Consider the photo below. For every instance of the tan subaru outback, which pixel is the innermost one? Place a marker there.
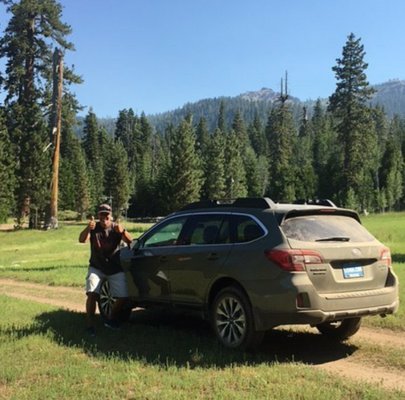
(251, 265)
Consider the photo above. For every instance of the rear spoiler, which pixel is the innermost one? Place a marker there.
(320, 211)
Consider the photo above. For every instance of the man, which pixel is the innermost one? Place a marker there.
(105, 238)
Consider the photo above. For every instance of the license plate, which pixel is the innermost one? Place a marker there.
(352, 271)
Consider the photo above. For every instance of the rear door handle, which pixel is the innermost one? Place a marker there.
(213, 256)
(163, 259)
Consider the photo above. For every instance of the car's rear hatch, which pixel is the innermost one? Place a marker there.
(342, 255)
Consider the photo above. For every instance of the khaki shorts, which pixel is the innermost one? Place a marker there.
(118, 282)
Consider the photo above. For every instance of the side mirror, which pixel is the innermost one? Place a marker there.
(135, 245)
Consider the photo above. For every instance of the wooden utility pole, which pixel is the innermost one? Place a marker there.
(56, 132)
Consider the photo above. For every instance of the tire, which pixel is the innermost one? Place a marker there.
(340, 330)
(106, 302)
(232, 320)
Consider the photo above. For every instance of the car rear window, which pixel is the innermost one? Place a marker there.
(313, 228)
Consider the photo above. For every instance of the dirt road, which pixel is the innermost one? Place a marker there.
(74, 299)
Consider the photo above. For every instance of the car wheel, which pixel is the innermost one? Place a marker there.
(340, 330)
(232, 320)
(106, 302)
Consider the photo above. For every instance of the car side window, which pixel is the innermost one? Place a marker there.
(245, 229)
(167, 234)
(205, 229)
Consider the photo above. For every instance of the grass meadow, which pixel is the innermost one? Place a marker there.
(44, 353)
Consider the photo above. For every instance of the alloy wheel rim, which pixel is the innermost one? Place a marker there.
(106, 300)
(231, 321)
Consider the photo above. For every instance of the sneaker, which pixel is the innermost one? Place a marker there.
(112, 324)
(91, 331)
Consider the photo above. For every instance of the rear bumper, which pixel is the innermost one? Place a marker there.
(319, 316)
(268, 320)
(273, 309)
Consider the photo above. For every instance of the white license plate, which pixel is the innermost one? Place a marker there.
(352, 271)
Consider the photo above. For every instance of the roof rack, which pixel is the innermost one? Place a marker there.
(254, 202)
(316, 202)
(243, 202)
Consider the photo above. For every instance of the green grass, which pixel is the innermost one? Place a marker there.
(389, 228)
(54, 257)
(44, 355)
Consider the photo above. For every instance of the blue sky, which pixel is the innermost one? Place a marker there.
(157, 55)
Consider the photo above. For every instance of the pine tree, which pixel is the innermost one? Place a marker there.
(82, 182)
(124, 127)
(203, 142)
(280, 132)
(34, 163)
(92, 145)
(144, 166)
(185, 174)
(117, 178)
(258, 137)
(66, 185)
(27, 46)
(214, 186)
(203, 137)
(75, 188)
(355, 126)
(7, 172)
(221, 124)
(235, 173)
(305, 182)
(127, 130)
(239, 128)
(326, 153)
(256, 173)
(397, 131)
(160, 190)
(69, 170)
(392, 166)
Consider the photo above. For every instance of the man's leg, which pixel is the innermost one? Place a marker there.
(91, 303)
(117, 307)
(93, 282)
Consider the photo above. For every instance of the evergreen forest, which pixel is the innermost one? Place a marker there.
(346, 150)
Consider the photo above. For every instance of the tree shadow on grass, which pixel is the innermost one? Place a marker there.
(398, 258)
(161, 338)
(42, 269)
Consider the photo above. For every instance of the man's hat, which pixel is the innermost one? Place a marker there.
(104, 209)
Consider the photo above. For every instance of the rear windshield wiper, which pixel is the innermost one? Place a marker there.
(334, 239)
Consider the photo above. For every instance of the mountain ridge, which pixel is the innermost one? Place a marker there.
(389, 95)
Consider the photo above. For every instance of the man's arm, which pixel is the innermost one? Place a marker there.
(125, 235)
(85, 233)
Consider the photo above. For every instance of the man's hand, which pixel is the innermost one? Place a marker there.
(119, 229)
(92, 224)
(126, 236)
(85, 233)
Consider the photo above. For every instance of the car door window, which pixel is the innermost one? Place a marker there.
(205, 230)
(167, 234)
(245, 229)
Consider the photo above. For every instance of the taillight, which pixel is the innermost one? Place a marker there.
(386, 256)
(293, 260)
